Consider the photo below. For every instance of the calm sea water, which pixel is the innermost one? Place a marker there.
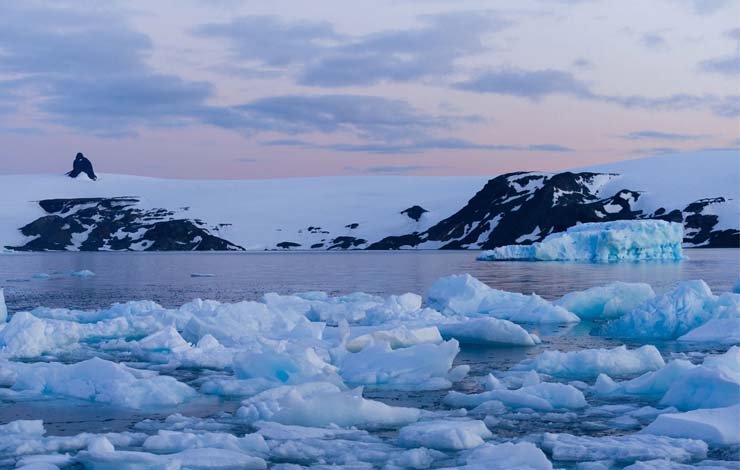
(166, 277)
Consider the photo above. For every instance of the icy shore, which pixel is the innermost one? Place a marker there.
(602, 242)
(309, 376)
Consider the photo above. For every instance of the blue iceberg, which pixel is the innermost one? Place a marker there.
(622, 240)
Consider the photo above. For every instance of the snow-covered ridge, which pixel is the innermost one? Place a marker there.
(377, 212)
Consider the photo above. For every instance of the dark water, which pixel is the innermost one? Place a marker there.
(166, 277)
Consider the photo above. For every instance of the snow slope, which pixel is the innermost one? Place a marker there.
(314, 212)
(263, 213)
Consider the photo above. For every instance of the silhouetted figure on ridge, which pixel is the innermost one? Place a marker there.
(82, 165)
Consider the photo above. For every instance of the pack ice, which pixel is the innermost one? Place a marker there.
(367, 381)
(602, 242)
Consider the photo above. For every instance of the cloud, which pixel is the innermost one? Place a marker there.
(704, 7)
(245, 160)
(657, 135)
(728, 65)
(527, 84)
(417, 146)
(653, 41)
(583, 63)
(391, 169)
(538, 84)
(654, 151)
(325, 58)
(272, 40)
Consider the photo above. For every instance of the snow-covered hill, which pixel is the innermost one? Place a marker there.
(136, 213)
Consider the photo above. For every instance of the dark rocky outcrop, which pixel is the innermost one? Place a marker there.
(82, 165)
(414, 212)
(288, 245)
(523, 208)
(116, 224)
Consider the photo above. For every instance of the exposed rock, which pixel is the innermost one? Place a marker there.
(82, 165)
(414, 212)
(115, 224)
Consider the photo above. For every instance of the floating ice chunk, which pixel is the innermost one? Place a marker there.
(488, 331)
(715, 384)
(736, 287)
(463, 294)
(167, 442)
(399, 337)
(167, 339)
(675, 313)
(3, 307)
(321, 404)
(545, 396)
(628, 448)
(444, 434)
(588, 363)
(234, 324)
(202, 275)
(100, 381)
(609, 301)
(102, 454)
(622, 240)
(85, 273)
(522, 456)
(41, 276)
(285, 364)
(721, 331)
(27, 336)
(718, 426)
(420, 367)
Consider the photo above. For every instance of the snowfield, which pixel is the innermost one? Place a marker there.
(357, 212)
(309, 376)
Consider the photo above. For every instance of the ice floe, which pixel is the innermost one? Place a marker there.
(622, 240)
(445, 434)
(589, 363)
(675, 313)
(323, 404)
(609, 301)
(465, 295)
(719, 426)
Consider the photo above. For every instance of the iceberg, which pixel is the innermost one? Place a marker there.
(675, 313)
(628, 448)
(444, 434)
(462, 294)
(589, 363)
(420, 367)
(488, 331)
(522, 456)
(609, 301)
(322, 404)
(717, 331)
(717, 426)
(622, 240)
(683, 385)
(100, 381)
(398, 337)
(543, 396)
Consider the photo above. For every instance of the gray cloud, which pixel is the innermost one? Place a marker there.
(728, 65)
(538, 84)
(526, 84)
(416, 146)
(390, 169)
(327, 59)
(657, 135)
(704, 7)
(654, 150)
(653, 41)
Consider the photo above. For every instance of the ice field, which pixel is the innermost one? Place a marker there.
(615, 375)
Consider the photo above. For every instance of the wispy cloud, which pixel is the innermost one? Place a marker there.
(538, 84)
(418, 146)
(728, 65)
(658, 135)
(326, 58)
(391, 169)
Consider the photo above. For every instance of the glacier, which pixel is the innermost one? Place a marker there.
(601, 242)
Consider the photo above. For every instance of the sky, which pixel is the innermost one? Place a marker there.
(278, 88)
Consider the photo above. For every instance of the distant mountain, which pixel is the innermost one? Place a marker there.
(43, 212)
